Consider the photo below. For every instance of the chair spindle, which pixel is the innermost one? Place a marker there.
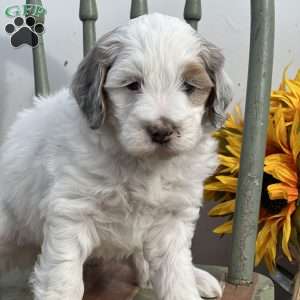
(138, 8)
(192, 12)
(88, 14)
(254, 142)
(41, 82)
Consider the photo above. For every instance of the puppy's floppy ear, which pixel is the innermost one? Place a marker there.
(87, 85)
(221, 94)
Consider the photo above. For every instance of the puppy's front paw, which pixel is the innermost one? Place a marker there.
(207, 285)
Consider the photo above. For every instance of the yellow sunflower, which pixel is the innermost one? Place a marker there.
(280, 180)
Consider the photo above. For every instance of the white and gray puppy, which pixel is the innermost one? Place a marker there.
(115, 166)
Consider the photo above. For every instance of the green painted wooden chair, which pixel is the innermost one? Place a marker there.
(241, 281)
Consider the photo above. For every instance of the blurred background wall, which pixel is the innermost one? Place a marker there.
(226, 23)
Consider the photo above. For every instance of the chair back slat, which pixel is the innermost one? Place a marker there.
(138, 8)
(192, 12)
(88, 14)
(41, 82)
(254, 142)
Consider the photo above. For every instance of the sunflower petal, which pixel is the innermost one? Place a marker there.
(219, 187)
(294, 88)
(297, 77)
(282, 171)
(282, 191)
(223, 208)
(279, 158)
(295, 135)
(286, 231)
(280, 97)
(224, 184)
(280, 130)
(224, 228)
(262, 240)
(235, 151)
(269, 260)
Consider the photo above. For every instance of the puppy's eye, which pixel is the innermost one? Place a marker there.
(134, 86)
(188, 88)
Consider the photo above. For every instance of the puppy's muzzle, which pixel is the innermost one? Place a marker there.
(161, 132)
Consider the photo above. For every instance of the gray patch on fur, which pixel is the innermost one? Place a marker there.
(87, 84)
(221, 94)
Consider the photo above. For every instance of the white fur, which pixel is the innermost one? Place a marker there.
(77, 192)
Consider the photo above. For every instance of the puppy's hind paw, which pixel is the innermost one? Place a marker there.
(208, 286)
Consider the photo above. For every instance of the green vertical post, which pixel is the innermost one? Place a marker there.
(41, 82)
(88, 14)
(254, 142)
(138, 8)
(192, 12)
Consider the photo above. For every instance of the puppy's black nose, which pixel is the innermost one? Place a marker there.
(160, 134)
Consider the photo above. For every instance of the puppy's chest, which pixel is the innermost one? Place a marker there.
(131, 208)
(122, 223)
(134, 203)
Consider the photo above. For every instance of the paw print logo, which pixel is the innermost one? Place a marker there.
(24, 31)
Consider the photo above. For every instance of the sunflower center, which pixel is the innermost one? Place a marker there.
(272, 206)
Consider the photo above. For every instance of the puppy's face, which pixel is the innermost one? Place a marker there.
(158, 98)
(162, 85)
